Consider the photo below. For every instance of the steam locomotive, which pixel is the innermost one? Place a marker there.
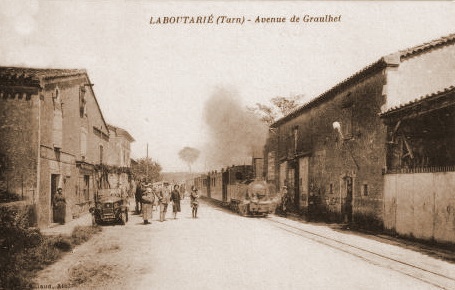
(237, 188)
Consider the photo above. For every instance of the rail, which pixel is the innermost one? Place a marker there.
(429, 276)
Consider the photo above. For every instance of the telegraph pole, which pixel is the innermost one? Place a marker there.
(147, 163)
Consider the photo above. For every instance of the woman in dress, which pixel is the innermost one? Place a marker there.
(60, 206)
(175, 198)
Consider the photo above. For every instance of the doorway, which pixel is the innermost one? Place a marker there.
(54, 185)
(348, 201)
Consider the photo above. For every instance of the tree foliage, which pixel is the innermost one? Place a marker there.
(147, 169)
(280, 107)
(189, 155)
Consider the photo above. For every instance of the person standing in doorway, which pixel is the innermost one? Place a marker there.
(194, 201)
(164, 198)
(175, 198)
(60, 206)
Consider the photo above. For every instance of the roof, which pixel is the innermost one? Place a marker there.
(34, 76)
(121, 132)
(427, 98)
(383, 62)
(419, 49)
(374, 67)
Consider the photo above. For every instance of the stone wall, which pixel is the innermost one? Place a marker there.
(19, 146)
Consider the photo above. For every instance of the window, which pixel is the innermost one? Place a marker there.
(331, 188)
(86, 187)
(101, 154)
(346, 115)
(82, 102)
(57, 122)
(365, 189)
(296, 137)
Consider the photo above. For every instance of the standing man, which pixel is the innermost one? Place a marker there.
(164, 198)
(147, 201)
(194, 200)
(138, 197)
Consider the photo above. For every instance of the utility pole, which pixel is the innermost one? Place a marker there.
(147, 163)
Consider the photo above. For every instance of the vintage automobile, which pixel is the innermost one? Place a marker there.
(111, 209)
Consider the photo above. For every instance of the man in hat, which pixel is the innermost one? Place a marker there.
(138, 197)
(148, 198)
(164, 198)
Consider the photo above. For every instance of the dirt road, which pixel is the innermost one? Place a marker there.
(219, 250)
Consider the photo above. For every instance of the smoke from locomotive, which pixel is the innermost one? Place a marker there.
(234, 132)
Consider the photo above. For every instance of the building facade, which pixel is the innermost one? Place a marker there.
(119, 160)
(53, 134)
(338, 155)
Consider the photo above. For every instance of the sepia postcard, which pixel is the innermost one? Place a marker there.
(227, 144)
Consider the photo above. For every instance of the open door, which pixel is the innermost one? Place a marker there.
(348, 200)
(54, 184)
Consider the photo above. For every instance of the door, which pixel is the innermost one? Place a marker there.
(348, 201)
(282, 177)
(291, 186)
(54, 185)
(303, 182)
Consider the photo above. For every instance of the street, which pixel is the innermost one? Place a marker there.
(221, 250)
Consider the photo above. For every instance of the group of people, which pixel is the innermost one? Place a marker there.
(147, 197)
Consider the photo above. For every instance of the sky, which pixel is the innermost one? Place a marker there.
(161, 82)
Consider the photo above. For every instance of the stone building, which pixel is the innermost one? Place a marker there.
(119, 160)
(53, 134)
(332, 152)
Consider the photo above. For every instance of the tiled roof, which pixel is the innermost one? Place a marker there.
(380, 64)
(416, 50)
(121, 131)
(385, 61)
(450, 89)
(33, 76)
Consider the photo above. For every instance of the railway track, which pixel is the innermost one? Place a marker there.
(420, 272)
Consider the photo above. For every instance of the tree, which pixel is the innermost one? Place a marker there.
(280, 107)
(189, 155)
(147, 169)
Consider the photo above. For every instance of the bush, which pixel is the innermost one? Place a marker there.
(6, 196)
(367, 222)
(24, 251)
(83, 233)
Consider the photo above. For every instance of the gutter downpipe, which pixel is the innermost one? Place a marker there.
(38, 167)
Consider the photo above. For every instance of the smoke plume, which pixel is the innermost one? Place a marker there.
(235, 133)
